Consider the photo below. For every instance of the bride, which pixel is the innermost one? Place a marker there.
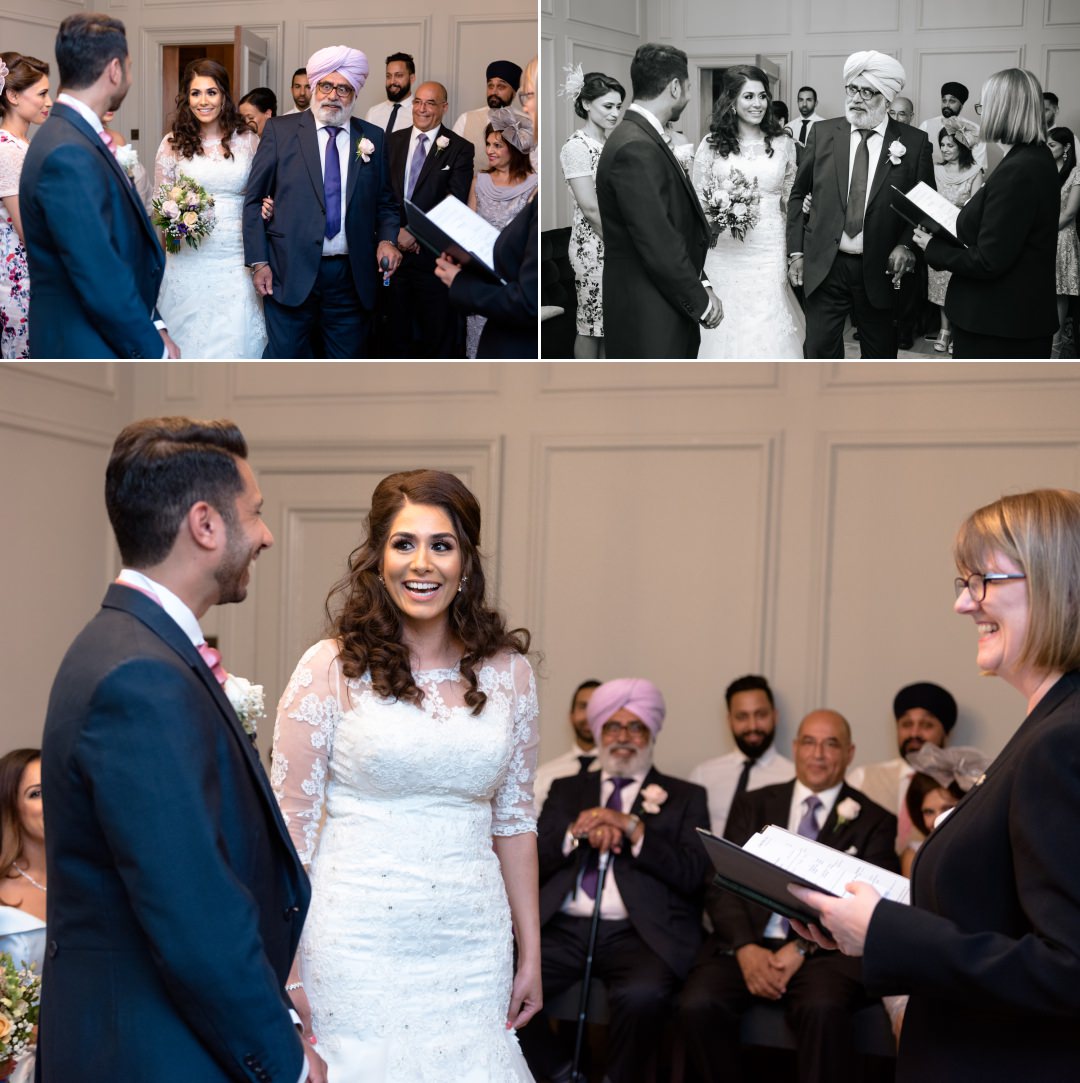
(761, 315)
(404, 752)
(206, 297)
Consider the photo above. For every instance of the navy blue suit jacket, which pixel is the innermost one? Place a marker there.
(95, 261)
(176, 899)
(288, 167)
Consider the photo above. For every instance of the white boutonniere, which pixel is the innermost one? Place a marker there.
(247, 701)
(847, 810)
(441, 144)
(128, 158)
(364, 150)
(652, 797)
(896, 151)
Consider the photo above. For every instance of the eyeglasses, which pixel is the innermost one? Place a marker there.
(867, 93)
(978, 109)
(525, 95)
(339, 90)
(976, 583)
(637, 730)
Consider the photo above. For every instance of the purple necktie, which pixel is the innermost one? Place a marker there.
(590, 878)
(417, 164)
(808, 826)
(332, 184)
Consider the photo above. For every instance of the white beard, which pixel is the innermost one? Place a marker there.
(639, 764)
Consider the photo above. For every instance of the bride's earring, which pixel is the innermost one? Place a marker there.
(464, 580)
(382, 582)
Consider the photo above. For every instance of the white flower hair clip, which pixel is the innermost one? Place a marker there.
(575, 82)
(3, 75)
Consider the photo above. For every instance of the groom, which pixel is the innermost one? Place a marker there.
(316, 262)
(94, 258)
(175, 898)
(655, 232)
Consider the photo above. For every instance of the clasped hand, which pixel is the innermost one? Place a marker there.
(604, 828)
(715, 312)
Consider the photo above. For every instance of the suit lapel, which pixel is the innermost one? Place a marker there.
(651, 132)
(309, 147)
(356, 133)
(883, 170)
(841, 151)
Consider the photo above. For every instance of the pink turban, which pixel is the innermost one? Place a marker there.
(884, 73)
(350, 62)
(636, 694)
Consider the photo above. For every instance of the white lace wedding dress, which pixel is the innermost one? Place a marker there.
(762, 318)
(407, 949)
(206, 298)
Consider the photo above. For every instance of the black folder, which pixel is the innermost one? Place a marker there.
(438, 241)
(916, 216)
(758, 880)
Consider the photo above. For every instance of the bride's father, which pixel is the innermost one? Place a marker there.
(655, 232)
(317, 261)
(853, 246)
(175, 898)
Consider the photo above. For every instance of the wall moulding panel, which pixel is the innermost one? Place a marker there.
(473, 37)
(707, 19)
(832, 17)
(675, 377)
(623, 16)
(969, 65)
(858, 376)
(1061, 13)
(983, 15)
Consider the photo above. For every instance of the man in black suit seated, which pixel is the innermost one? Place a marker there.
(428, 162)
(753, 953)
(650, 904)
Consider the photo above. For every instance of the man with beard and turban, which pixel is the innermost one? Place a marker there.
(503, 81)
(852, 248)
(754, 763)
(316, 261)
(753, 954)
(650, 904)
(925, 714)
(95, 260)
(953, 97)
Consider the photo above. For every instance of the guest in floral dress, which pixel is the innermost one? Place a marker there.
(1062, 144)
(597, 98)
(958, 178)
(501, 190)
(24, 100)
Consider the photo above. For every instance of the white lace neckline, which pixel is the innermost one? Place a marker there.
(437, 676)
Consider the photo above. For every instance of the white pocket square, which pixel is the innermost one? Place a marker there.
(445, 168)
(852, 850)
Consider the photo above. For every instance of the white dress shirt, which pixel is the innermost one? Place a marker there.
(720, 776)
(564, 766)
(796, 126)
(380, 114)
(337, 246)
(853, 246)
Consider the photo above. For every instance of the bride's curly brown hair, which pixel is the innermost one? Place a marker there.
(186, 137)
(724, 125)
(368, 625)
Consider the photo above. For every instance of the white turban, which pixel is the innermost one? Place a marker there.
(884, 73)
(350, 62)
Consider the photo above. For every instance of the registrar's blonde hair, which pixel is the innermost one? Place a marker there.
(1040, 532)
(1013, 108)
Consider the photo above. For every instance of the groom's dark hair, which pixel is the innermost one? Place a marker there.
(654, 66)
(159, 467)
(85, 44)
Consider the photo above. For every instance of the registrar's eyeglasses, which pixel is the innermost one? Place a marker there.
(976, 583)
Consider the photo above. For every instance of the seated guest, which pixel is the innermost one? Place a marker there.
(580, 757)
(1001, 298)
(755, 762)
(650, 903)
(925, 714)
(754, 954)
(257, 107)
(1062, 144)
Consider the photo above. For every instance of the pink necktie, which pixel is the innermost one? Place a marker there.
(212, 658)
(108, 141)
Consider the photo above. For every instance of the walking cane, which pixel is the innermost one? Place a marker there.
(576, 1075)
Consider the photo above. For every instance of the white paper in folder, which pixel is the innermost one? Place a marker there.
(472, 232)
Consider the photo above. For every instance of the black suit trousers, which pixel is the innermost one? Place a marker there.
(640, 988)
(843, 293)
(423, 322)
(819, 1002)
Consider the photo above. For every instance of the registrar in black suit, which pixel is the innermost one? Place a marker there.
(642, 960)
(822, 993)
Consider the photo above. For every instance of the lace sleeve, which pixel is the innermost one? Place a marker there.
(243, 146)
(575, 159)
(790, 165)
(11, 163)
(165, 164)
(512, 811)
(307, 717)
(703, 162)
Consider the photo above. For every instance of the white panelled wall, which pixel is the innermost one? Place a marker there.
(686, 522)
(808, 40)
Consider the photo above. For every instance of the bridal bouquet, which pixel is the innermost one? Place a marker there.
(731, 203)
(20, 994)
(184, 212)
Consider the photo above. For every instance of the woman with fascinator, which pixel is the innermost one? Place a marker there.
(404, 754)
(597, 99)
(206, 297)
(958, 178)
(501, 190)
(747, 161)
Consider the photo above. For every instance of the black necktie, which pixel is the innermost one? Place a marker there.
(856, 198)
(740, 786)
(393, 117)
(586, 763)
(803, 130)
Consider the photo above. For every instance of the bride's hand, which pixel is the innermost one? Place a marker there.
(526, 997)
(267, 208)
(302, 1005)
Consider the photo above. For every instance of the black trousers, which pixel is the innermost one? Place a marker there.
(969, 346)
(423, 322)
(640, 988)
(843, 294)
(820, 999)
(330, 322)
